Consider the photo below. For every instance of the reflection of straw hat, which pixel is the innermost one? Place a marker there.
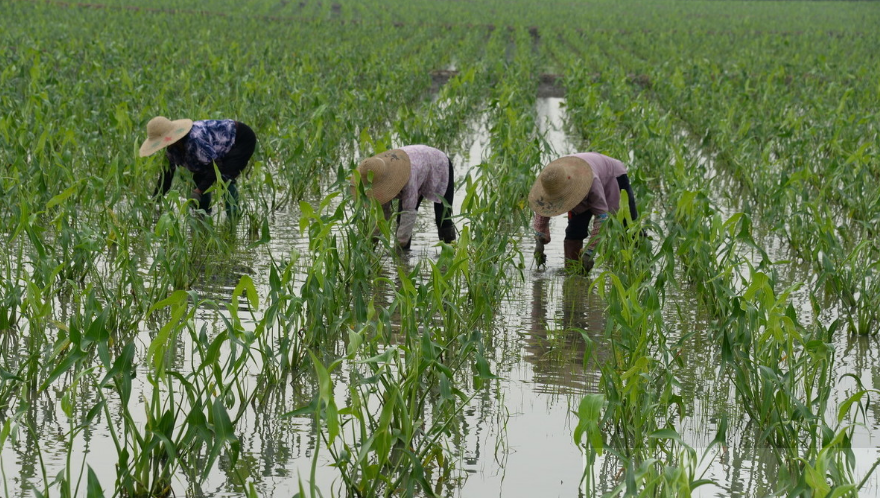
(162, 132)
(561, 186)
(390, 170)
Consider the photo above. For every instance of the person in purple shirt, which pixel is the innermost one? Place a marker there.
(198, 146)
(586, 186)
(410, 174)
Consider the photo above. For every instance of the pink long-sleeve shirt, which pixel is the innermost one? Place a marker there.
(428, 178)
(603, 197)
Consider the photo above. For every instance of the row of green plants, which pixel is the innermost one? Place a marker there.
(797, 132)
(296, 320)
(782, 370)
(104, 286)
(554, 16)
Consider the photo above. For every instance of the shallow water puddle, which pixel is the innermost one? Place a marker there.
(550, 113)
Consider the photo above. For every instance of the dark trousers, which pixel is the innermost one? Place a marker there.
(579, 224)
(231, 165)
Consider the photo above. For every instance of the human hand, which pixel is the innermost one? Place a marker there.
(540, 257)
(587, 262)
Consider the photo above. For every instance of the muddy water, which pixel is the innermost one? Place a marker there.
(517, 439)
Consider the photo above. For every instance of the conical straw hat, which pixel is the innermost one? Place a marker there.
(561, 186)
(390, 171)
(162, 132)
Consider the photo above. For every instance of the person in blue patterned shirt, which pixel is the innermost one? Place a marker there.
(198, 146)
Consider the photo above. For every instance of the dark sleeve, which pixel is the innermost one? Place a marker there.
(165, 178)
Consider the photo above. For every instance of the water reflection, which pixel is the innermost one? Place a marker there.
(557, 345)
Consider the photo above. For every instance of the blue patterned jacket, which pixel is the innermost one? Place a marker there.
(206, 143)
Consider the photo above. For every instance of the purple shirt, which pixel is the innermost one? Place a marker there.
(428, 178)
(603, 197)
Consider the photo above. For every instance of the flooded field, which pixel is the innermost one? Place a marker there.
(516, 434)
(725, 344)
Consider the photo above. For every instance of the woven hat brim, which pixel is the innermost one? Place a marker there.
(579, 179)
(397, 172)
(179, 130)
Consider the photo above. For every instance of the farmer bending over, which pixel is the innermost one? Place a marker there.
(197, 146)
(410, 174)
(585, 185)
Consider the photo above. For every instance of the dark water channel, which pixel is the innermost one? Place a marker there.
(517, 439)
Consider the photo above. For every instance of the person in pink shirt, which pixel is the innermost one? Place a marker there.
(409, 174)
(587, 186)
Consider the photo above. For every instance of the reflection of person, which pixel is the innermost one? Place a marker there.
(557, 344)
(410, 174)
(585, 185)
(197, 146)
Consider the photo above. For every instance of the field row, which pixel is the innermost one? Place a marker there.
(165, 335)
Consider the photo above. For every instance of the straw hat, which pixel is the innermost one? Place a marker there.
(561, 186)
(391, 170)
(162, 132)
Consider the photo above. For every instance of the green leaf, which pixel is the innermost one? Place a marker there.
(482, 368)
(384, 357)
(66, 364)
(759, 280)
(93, 486)
(224, 434)
(246, 285)
(94, 411)
(4, 375)
(355, 340)
(156, 351)
(816, 481)
(589, 413)
(5, 431)
(325, 383)
(845, 406)
(63, 196)
(591, 407)
(844, 490)
(122, 364)
(265, 235)
(666, 434)
(176, 298)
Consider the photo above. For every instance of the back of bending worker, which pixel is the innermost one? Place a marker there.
(198, 146)
(409, 174)
(586, 185)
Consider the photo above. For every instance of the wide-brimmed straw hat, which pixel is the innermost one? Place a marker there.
(561, 186)
(162, 132)
(390, 172)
